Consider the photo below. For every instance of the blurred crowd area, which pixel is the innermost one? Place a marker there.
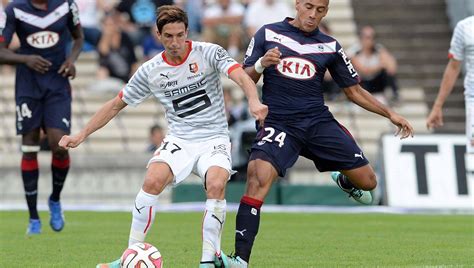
(122, 35)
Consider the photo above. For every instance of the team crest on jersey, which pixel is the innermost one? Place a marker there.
(193, 67)
(221, 54)
(43, 39)
(297, 68)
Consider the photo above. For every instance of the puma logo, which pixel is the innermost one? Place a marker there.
(359, 155)
(66, 122)
(138, 209)
(217, 219)
(165, 75)
(241, 232)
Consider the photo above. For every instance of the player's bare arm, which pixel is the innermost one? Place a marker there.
(271, 57)
(451, 73)
(106, 113)
(34, 62)
(257, 109)
(68, 69)
(364, 99)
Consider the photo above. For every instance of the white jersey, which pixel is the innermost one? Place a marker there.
(191, 92)
(462, 49)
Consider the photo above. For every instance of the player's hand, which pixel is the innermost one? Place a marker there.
(258, 110)
(271, 57)
(68, 142)
(435, 119)
(38, 63)
(405, 130)
(68, 69)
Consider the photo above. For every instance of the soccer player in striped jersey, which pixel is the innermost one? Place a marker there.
(185, 78)
(462, 49)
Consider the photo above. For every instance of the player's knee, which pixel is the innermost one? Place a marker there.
(215, 188)
(369, 183)
(59, 153)
(152, 186)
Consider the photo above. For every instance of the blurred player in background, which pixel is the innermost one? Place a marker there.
(42, 89)
(462, 49)
(157, 134)
(185, 78)
(293, 56)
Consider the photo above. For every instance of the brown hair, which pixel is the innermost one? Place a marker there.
(169, 14)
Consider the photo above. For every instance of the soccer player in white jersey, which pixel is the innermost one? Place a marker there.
(185, 78)
(462, 49)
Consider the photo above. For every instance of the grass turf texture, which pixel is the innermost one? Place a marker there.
(284, 240)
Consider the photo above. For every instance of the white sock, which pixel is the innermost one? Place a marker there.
(212, 226)
(143, 216)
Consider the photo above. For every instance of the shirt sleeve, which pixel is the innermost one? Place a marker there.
(7, 25)
(456, 50)
(73, 16)
(256, 48)
(342, 70)
(137, 89)
(220, 59)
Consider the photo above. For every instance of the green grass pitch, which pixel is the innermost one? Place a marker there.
(284, 240)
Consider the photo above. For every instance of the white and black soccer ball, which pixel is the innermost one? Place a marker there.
(141, 255)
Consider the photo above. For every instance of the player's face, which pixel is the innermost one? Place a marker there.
(173, 37)
(309, 13)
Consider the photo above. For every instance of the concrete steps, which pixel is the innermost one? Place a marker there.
(417, 32)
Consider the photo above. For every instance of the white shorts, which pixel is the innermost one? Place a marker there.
(185, 157)
(470, 125)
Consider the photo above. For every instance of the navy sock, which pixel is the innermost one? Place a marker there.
(345, 182)
(246, 227)
(30, 174)
(59, 169)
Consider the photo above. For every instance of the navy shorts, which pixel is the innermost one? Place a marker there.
(42, 101)
(328, 144)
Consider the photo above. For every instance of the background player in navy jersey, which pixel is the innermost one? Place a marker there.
(293, 56)
(42, 89)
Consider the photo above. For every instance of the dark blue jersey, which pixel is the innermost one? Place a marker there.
(41, 32)
(293, 89)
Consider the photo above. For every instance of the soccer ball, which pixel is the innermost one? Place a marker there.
(141, 255)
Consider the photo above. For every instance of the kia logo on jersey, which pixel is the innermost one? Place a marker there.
(297, 68)
(193, 67)
(43, 39)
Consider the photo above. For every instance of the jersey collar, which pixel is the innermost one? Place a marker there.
(190, 47)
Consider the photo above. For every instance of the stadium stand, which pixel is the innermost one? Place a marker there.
(109, 167)
(418, 33)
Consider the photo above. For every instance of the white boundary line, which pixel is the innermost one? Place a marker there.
(232, 207)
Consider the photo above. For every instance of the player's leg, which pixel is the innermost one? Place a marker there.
(363, 178)
(29, 114)
(30, 174)
(215, 167)
(158, 176)
(332, 147)
(57, 121)
(171, 163)
(214, 215)
(273, 152)
(59, 170)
